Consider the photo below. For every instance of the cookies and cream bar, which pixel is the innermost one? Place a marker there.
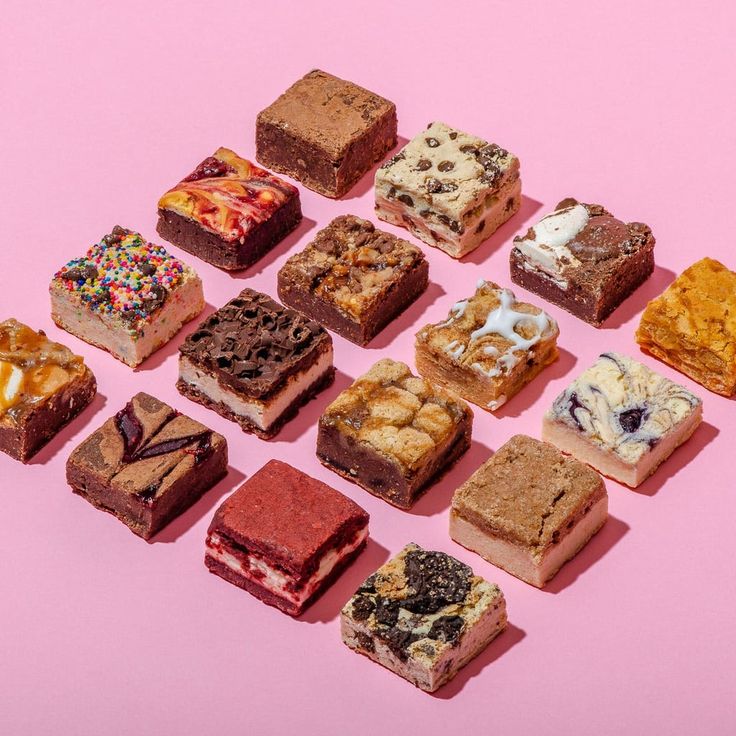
(448, 188)
(228, 211)
(423, 615)
(489, 347)
(583, 259)
(529, 509)
(255, 362)
(43, 386)
(284, 536)
(622, 418)
(125, 295)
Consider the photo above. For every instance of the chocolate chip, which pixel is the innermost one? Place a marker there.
(394, 160)
(434, 186)
(80, 273)
(432, 142)
(155, 298)
(467, 148)
(391, 193)
(406, 199)
(455, 226)
(117, 234)
(423, 164)
(444, 166)
(453, 135)
(148, 269)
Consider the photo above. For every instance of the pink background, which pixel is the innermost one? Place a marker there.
(105, 105)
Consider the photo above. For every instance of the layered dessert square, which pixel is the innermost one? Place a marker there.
(353, 279)
(622, 418)
(692, 326)
(228, 211)
(423, 615)
(529, 509)
(325, 132)
(284, 537)
(583, 259)
(126, 296)
(43, 386)
(450, 189)
(393, 433)
(255, 362)
(147, 464)
(489, 347)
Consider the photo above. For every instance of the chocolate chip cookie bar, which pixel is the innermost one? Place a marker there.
(126, 296)
(529, 509)
(326, 132)
(489, 347)
(692, 326)
(423, 615)
(43, 386)
(353, 279)
(622, 418)
(228, 211)
(393, 433)
(448, 188)
(581, 258)
(147, 464)
(255, 362)
(284, 537)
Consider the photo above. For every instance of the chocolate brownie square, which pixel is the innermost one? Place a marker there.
(393, 433)
(325, 132)
(284, 537)
(228, 211)
(256, 362)
(43, 386)
(353, 279)
(147, 464)
(581, 258)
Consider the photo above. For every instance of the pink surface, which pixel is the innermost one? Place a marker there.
(106, 105)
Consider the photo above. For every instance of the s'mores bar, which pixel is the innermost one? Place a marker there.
(622, 418)
(423, 615)
(449, 189)
(489, 347)
(529, 509)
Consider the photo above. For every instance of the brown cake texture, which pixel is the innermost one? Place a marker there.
(583, 259)
(326, 132)
(284, 537)
(353, 278)
(393, 433)
(43, 386)
(147, 464)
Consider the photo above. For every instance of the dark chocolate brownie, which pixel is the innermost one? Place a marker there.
(326, 132)
(353, 278)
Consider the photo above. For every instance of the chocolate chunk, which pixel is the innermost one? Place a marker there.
(363, 607)
(423, 164)
(80, 273)
(154, 299)
(148, 269)
(437, 579)
(467, 148)
(447, 628)
(116, 236)
(397, 641)
(444, 166)
(406, 199)
(453, 135)
(432, 142)
(387, 611)
(365, 642)
(435, 186)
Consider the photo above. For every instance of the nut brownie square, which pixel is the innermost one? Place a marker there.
(692, 326)
(450, 189)
(147, 464)
(326, 132)
(393, 433)
(423, 615)
(622, 418)
(353, 279)
(581, 258)
(126, 295)
(228, 211)
(284, 537)
(255, 362)
(43, 386)
(489, 347)
(529, 509)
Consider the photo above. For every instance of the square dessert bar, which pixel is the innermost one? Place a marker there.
(284, 537)
(529, 509)
(147, 464)
(423, 615)
(228, 211)
(581, 258)
(489, 347)
(126, 296)
(450, 189)
(354, 279)
(43, 386)
(255, 362)
(325, 132)
(622, 418)
(393, 433)
(692, 326)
